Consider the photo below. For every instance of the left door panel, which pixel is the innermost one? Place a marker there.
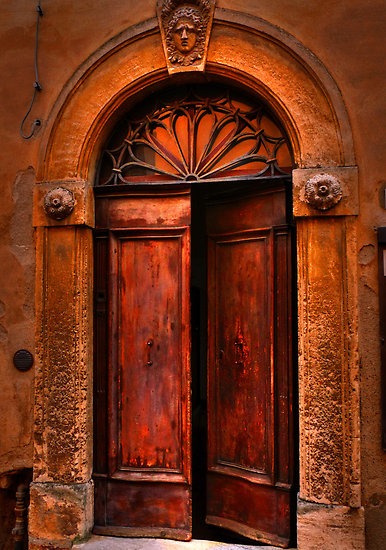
(142, 471)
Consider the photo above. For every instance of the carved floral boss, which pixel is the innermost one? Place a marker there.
(322, 191)
(59, 203)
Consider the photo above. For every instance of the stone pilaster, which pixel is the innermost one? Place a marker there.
(325, 204)
(61, 492)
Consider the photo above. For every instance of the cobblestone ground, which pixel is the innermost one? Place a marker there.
(110, 543)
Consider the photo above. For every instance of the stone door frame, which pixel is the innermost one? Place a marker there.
(300, 90)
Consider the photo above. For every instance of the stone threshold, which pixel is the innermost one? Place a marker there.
(116, 543)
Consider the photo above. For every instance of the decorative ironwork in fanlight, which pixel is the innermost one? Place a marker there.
(195, 138)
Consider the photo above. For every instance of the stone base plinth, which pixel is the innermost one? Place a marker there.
(60, 514)
(322, 527)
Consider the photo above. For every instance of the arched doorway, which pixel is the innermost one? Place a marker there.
(294, 81)
(193, 331)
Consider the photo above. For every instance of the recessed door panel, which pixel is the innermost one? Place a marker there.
(150, 415)
(240, 381)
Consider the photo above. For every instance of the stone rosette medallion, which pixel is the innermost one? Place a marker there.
(322, 192)
(59, 203)
(185, 30)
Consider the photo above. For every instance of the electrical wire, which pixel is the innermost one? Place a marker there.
(37, 85)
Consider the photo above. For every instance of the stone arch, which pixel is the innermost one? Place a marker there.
(307, 101)
(273, 64)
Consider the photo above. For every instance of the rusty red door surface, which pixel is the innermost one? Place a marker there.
(250, 432)
(142, 389)
(143, 443)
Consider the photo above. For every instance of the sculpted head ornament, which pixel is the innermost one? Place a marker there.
(185, 29)
(184, 34)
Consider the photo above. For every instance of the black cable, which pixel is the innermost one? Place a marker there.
(37, 85)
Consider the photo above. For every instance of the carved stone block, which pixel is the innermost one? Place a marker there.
(63, 202)
(60, 514)
(331, 191)
(185, 30)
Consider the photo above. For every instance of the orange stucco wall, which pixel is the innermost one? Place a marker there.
(347, 37)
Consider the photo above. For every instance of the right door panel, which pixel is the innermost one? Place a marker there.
(250, 426)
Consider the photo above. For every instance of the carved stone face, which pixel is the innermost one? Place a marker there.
(185, 35)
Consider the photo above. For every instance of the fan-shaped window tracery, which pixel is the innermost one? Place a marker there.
(199, 135)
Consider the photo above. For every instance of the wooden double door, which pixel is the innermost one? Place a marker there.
(193, 362)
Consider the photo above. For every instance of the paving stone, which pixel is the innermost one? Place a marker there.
(114, 543)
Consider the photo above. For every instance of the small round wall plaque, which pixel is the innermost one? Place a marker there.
(23, 360)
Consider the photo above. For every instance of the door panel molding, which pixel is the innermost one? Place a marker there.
(141, 367)
(243, 346)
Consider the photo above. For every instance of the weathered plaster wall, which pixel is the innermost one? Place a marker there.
(348, 38)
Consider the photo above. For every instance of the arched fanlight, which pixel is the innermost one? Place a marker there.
(203, 133)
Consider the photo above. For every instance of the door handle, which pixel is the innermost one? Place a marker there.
(241, 352)
(149, 345)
